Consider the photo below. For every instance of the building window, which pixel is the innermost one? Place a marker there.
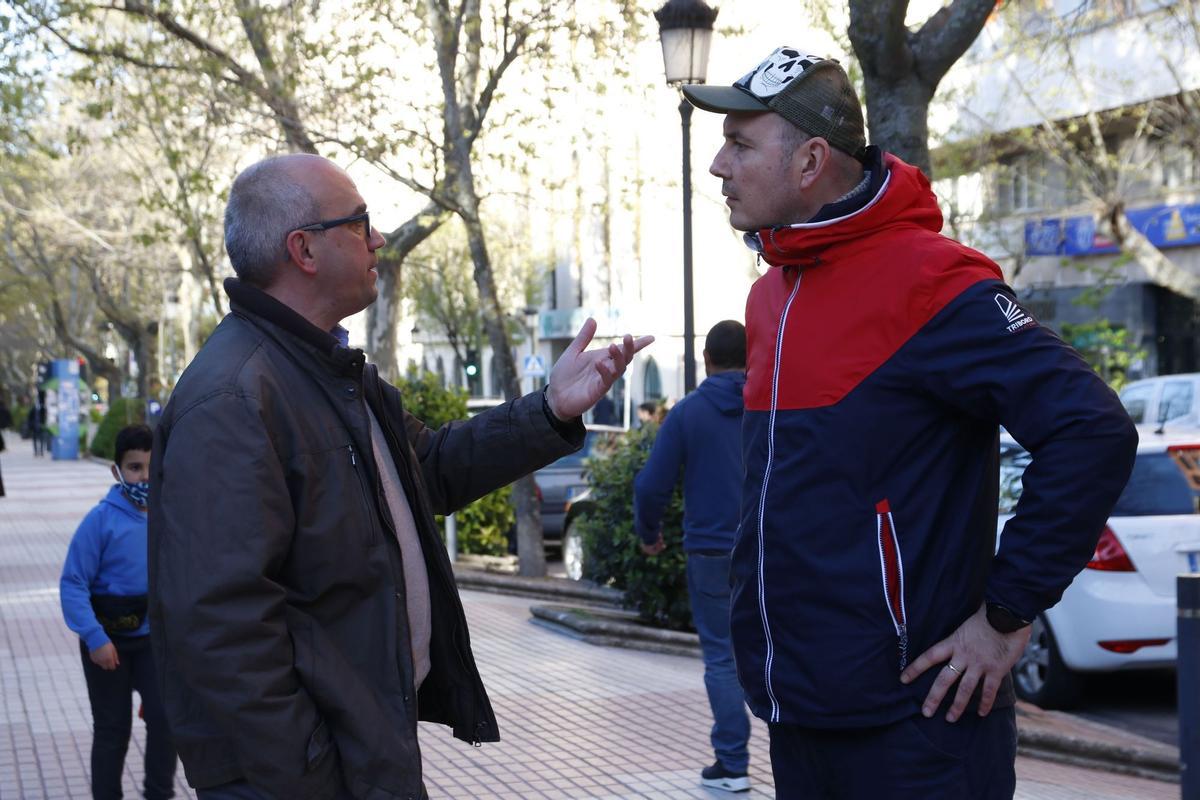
(651, 381)
(441, 371)
(1180, 168)
(1021, 185)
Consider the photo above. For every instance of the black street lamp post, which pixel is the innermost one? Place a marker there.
(685, 31)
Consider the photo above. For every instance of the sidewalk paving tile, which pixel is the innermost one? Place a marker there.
(576, 721)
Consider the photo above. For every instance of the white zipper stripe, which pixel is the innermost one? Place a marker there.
(900, 565)
(762, 504)
(883, 569)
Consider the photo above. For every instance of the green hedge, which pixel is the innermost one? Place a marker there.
(483, 525)
(123, 411)
(654, 586)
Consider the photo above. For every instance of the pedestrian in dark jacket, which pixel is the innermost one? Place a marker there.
(301, 603)
(702, 439)
(6, 422)
(874, 620)
(103, 593)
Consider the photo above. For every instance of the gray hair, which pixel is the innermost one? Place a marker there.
(266, 203)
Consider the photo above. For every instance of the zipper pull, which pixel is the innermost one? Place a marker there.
(353, 461)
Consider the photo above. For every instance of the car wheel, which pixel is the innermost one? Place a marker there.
(1040, 676)
(572, 552)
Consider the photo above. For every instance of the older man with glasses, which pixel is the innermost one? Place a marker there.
(305, 613)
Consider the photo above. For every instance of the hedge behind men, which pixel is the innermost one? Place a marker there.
(701, 439)
(304, 611)
(874, 620)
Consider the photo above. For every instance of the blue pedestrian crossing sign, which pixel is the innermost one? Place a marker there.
(535, 367)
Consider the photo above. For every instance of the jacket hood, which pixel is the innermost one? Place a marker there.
(904, 199)
(117, 499)
(724, 391)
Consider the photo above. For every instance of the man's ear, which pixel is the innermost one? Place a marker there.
(116, 473)
(299, 252)
(811, 160)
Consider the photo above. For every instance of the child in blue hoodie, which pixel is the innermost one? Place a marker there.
(103, 592)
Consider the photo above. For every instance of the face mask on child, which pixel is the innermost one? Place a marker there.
(138, 493)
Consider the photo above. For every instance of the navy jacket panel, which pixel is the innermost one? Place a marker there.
(869, 524)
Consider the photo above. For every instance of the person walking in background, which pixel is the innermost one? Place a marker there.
(103, 594)
(875, 620)
(651, 411)
(6, 421)
(701, 439)
(35, 423)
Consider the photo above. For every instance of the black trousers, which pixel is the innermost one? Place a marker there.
(111, 696)
(913, 759)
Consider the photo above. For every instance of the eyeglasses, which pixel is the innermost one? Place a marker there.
(364, 218)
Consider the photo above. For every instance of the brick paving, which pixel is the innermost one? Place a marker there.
(577, 721)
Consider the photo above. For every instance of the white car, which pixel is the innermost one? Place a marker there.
(1165, 398)
(1119, 613)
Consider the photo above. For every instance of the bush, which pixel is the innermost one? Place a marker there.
(654, 586)
(427, 400)
(20, 414)
(123, 411)
(484, 524)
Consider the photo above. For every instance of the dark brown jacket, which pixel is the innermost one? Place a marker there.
(276, 588)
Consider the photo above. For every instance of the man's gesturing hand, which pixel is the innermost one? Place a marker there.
(973, 653)
(581, 377)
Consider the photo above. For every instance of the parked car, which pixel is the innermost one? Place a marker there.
(566, 479)
(1119, 613)
(1166, 398)
(572, 542)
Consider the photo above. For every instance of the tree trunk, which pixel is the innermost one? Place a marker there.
(383, 315)
(898, 116)
(1161, 270)
(902, 68)
(382, 320)
(530, 544)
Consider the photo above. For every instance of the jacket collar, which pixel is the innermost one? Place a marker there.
(249, 299)
(902, 197)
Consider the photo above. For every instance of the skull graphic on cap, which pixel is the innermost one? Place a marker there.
(777, 71)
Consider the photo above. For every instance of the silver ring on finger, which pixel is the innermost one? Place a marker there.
(953, 668)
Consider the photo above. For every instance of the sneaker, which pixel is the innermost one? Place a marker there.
(717, 777)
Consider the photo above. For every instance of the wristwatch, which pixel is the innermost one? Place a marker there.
(1003, 619)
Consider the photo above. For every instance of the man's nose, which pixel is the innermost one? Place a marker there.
(717, 167)
(376, 241)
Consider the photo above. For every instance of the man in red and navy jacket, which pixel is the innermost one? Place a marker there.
(874, 620)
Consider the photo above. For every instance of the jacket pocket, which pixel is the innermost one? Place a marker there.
(362, 478)
(891, 565)
(319, 745)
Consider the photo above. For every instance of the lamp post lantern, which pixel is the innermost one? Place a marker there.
(685, 31)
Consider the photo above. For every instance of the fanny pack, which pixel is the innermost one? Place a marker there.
(120, 615)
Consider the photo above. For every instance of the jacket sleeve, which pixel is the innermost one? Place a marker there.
(221, 524)
(75, 586)
(464, 460)
(988, 357)
(655, 482)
